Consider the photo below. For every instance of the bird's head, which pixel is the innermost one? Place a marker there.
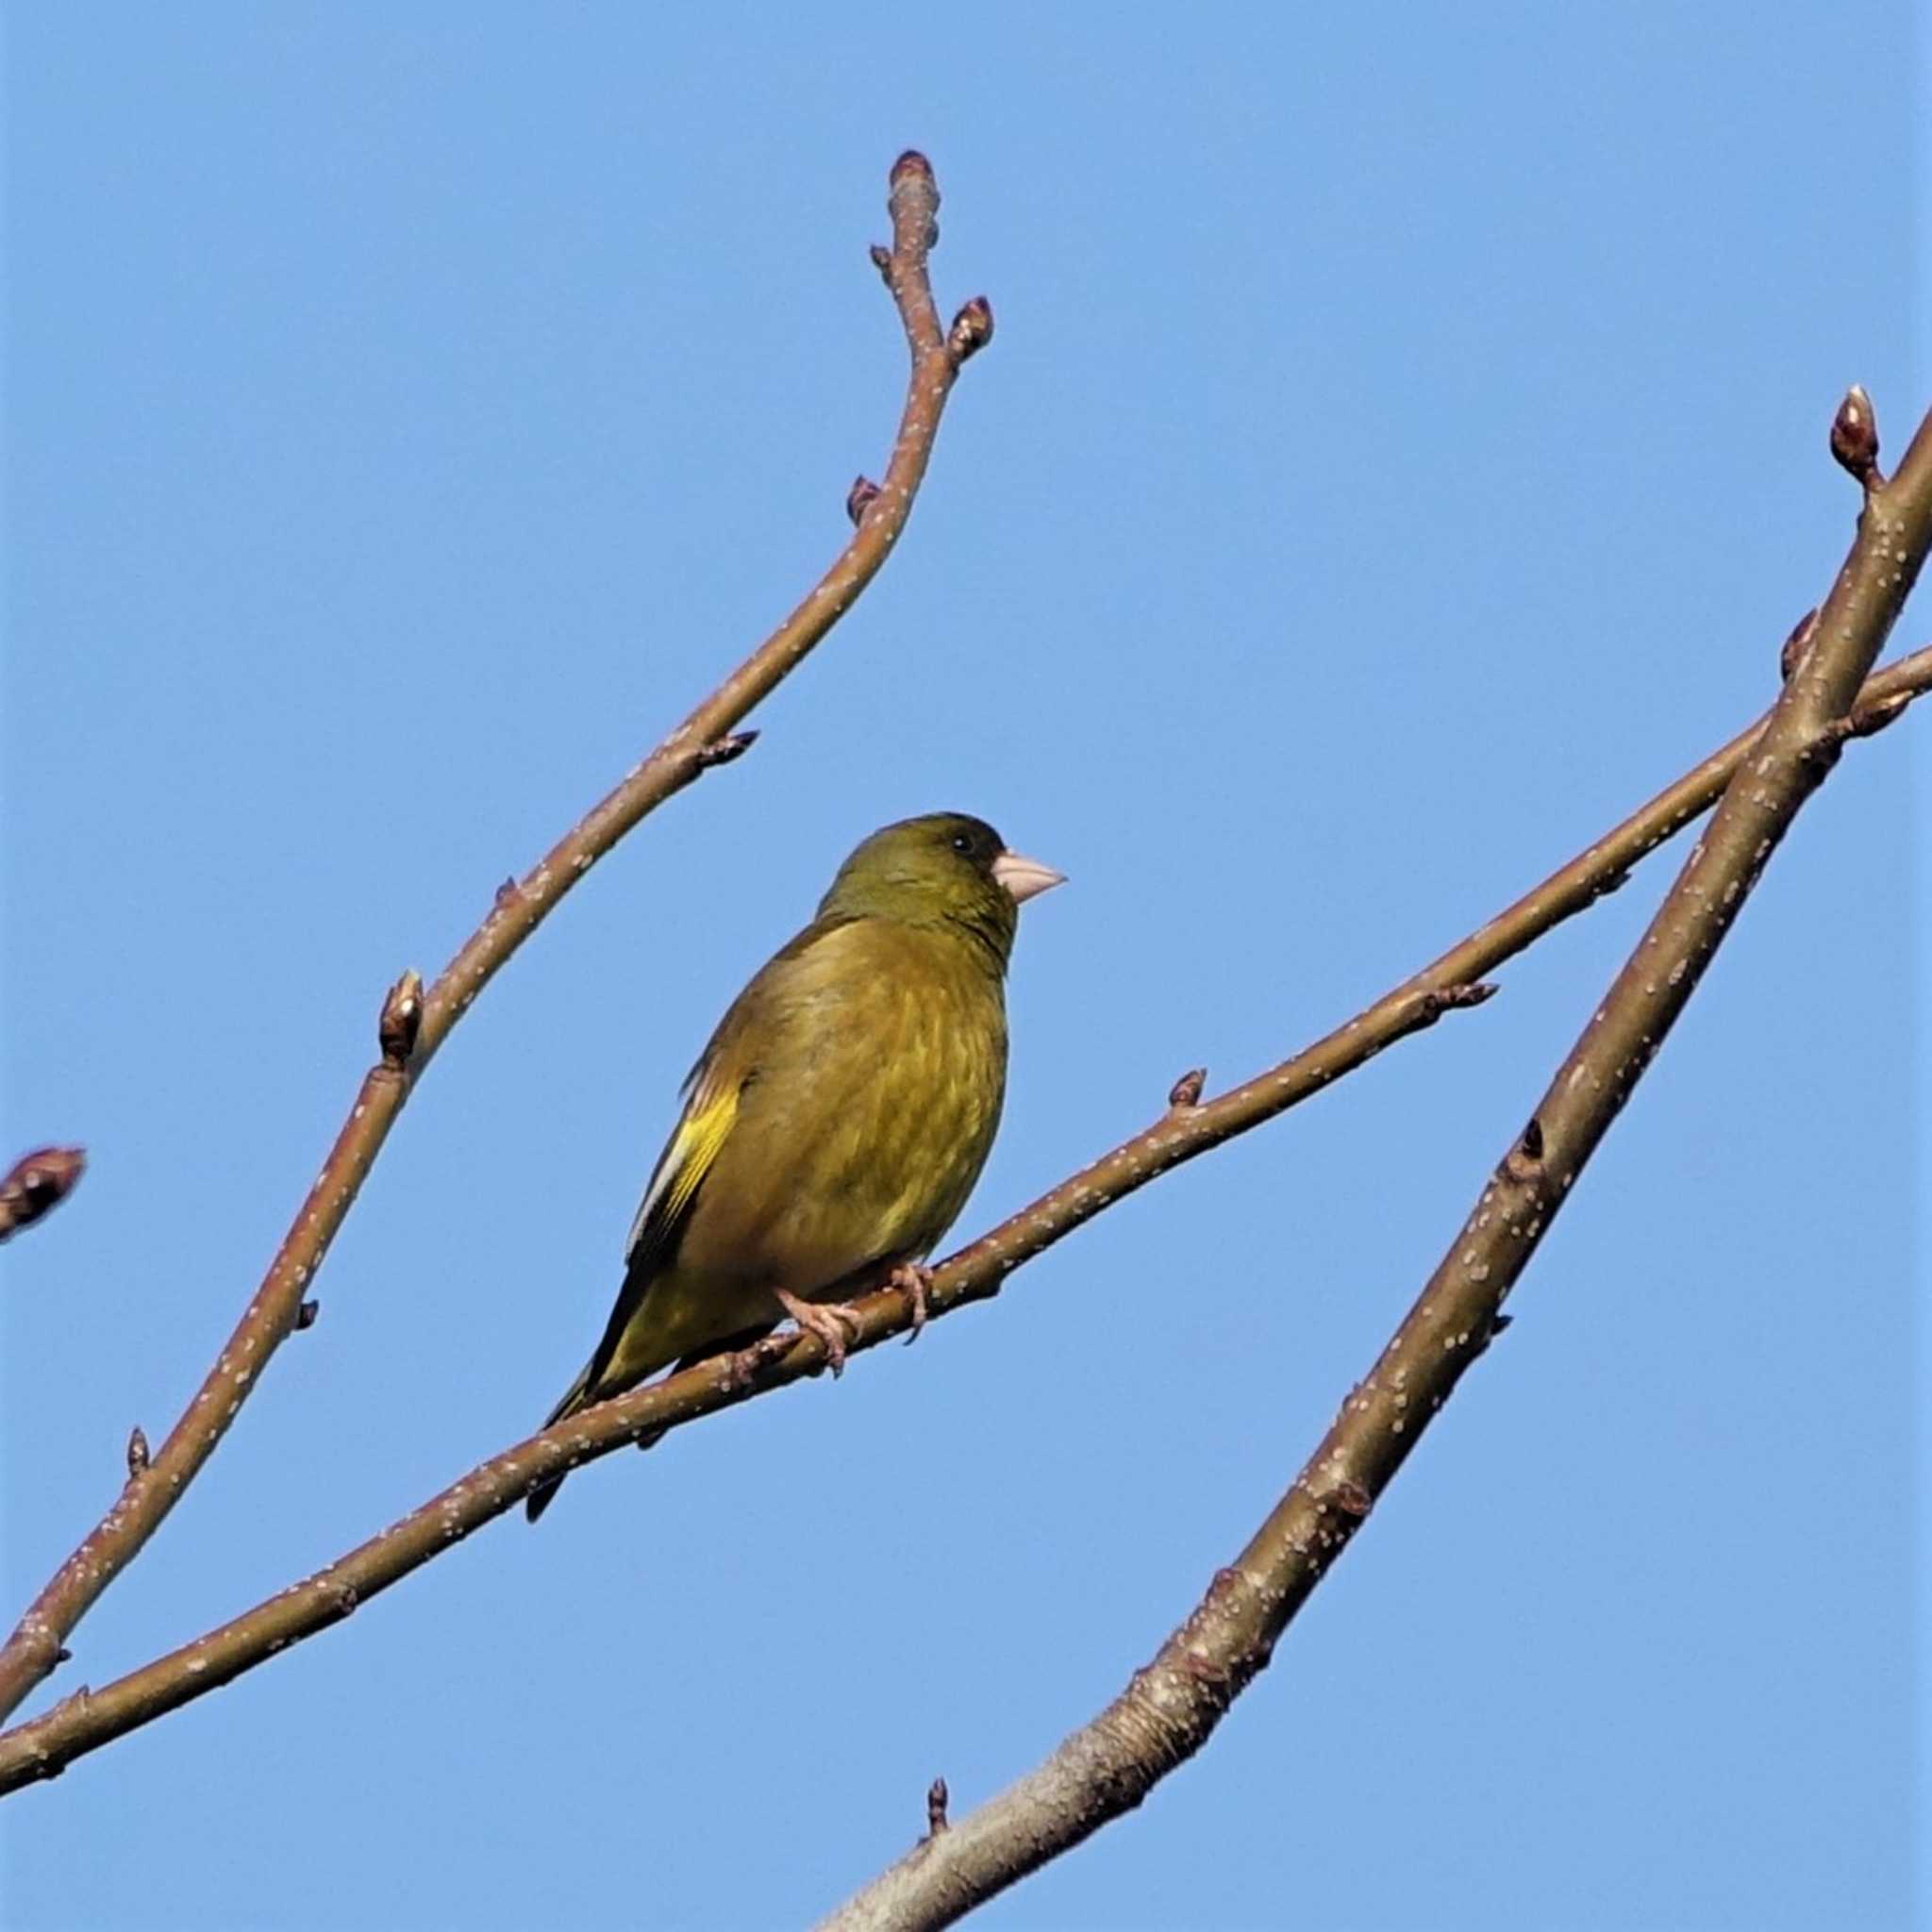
(943, 866)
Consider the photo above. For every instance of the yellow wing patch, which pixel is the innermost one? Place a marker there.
(701, 1131)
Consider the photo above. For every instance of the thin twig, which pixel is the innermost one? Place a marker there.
(45, 1746)
(1171, 1707)
(415, 1023)
(36, 1184)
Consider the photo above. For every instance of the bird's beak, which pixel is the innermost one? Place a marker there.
(1026, 877)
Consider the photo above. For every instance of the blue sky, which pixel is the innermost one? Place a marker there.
(1402, 452)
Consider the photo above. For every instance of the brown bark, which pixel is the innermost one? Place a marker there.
(415, 1022)
(1171, 1707)
(1188, 1127)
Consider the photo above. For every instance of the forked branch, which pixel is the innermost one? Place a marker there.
(1171, 1707)
(1188, 1126)
(416, 1021)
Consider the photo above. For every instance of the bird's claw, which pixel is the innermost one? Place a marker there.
(914, 1279)
(746, 1362)
(834, 1323)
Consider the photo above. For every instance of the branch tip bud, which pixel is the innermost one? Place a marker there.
(912, 202)
(402, 1014)
(35, 1184)
(1855, 437)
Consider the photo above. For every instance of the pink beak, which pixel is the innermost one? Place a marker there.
(1024, 878)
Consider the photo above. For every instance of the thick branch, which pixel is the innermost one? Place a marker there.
(411, 1038)
(36, 1184)
(1169, 1709)
(86, 1721)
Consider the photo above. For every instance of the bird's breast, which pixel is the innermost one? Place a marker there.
(864, 1128)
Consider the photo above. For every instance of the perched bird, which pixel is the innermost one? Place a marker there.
(837, 1119)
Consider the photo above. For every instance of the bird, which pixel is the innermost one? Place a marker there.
(835, 1123)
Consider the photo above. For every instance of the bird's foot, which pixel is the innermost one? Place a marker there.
(835, 1325)
(744, 1363)
(915, 1280)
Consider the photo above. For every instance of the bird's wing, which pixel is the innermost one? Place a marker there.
(712, 1093)
(710, 1106)
(712, 1089)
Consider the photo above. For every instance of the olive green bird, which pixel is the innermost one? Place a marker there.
(837, 1119)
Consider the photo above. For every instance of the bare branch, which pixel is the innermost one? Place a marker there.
(45, 1746)
(415, 1023)
(36, 1184)
(1170, 1709)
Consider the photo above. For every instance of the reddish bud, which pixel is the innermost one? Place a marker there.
(35, 1184)
(1796, 644)
(1854, 436)
(861, 498)
(971, 329)
(402, 1014)
(721, 751)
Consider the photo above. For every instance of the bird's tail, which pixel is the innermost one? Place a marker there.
(598, 1381)
(575, 1397)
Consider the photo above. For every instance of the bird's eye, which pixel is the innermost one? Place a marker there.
(963, 841)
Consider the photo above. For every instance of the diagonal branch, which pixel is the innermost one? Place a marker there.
(89, 1720)
(1171, 1707)
(416, 1021)
(36, 1184)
